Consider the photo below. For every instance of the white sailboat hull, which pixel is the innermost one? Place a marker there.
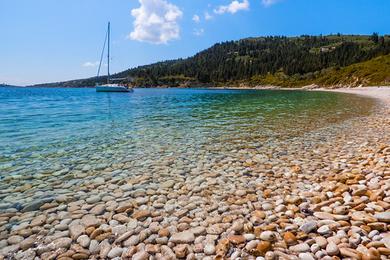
(112, 88)
(109, 87)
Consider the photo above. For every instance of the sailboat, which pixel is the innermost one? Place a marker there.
(110, 86)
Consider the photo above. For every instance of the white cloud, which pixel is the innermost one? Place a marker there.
(207, 16)
(269, 2)
(90, 64)
(156, 21)
(94, 64)
(196, 18)
(233, 7)
(198, 32)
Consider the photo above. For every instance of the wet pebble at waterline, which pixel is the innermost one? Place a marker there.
(322, 195)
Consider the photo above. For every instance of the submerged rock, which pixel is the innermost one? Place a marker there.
(36, 204)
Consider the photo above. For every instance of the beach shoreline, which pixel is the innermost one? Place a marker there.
(378, 92)
(323, 195)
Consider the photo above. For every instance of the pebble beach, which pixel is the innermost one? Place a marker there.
(321, 195)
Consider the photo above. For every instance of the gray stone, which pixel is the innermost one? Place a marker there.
(141, 256)
(93, 199)
(267, 206)
(198, 230)
(84, 241)
(36, 204)
(90, 220)
(115, 252)
(9, 249)
(86, 168)
(132, 241)
(184, 237)
(75, 230)
(209, 249)
(308, 226)
(332, 249)
(99, 180)
(38, 221)
(237, 226)
(105, 248)
(303, 247)
(306, 256)
(94, 247)
(321, 241)
(383, 216)
(167, 252)
(324, 230)
(386, 241)
(27, 243)
(132, 224)
(63, 242)
(3, 243)
(126, 187)
(168, 184)
(98, 209)
(25, 255)
(12, 240)
(268, 236)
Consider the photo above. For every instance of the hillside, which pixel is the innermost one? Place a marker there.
(374, 72)
(287, 61)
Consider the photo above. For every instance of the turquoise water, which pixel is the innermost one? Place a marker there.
(60, 131)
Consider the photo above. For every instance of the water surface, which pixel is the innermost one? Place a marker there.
(60, 131)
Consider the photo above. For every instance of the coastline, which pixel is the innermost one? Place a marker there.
(322, 195)
(339, 88)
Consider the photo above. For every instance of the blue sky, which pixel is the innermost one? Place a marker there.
(55, 40)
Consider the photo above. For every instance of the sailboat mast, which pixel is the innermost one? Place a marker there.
(108, 55)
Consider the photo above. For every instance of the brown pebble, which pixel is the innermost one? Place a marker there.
(222, 247)
(371, 254)
(80, 256)
(164, 232)
(236, 239)
(262, 248)
(142, 214)
(349, 252)
(289, 238)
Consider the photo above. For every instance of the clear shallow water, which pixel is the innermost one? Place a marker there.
(59, 131)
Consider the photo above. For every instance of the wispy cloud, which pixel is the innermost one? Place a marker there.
(207, 16)
(198, 32)
(93, 64)
(156, 21)
(233, 7)
(269, 2)
(196, 18)
(90, 64)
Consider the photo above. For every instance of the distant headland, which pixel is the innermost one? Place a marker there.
(3, 85)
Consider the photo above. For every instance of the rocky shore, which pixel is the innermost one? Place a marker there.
(322, 195)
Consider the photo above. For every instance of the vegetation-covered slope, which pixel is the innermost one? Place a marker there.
(262, 60)
(374, 72)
